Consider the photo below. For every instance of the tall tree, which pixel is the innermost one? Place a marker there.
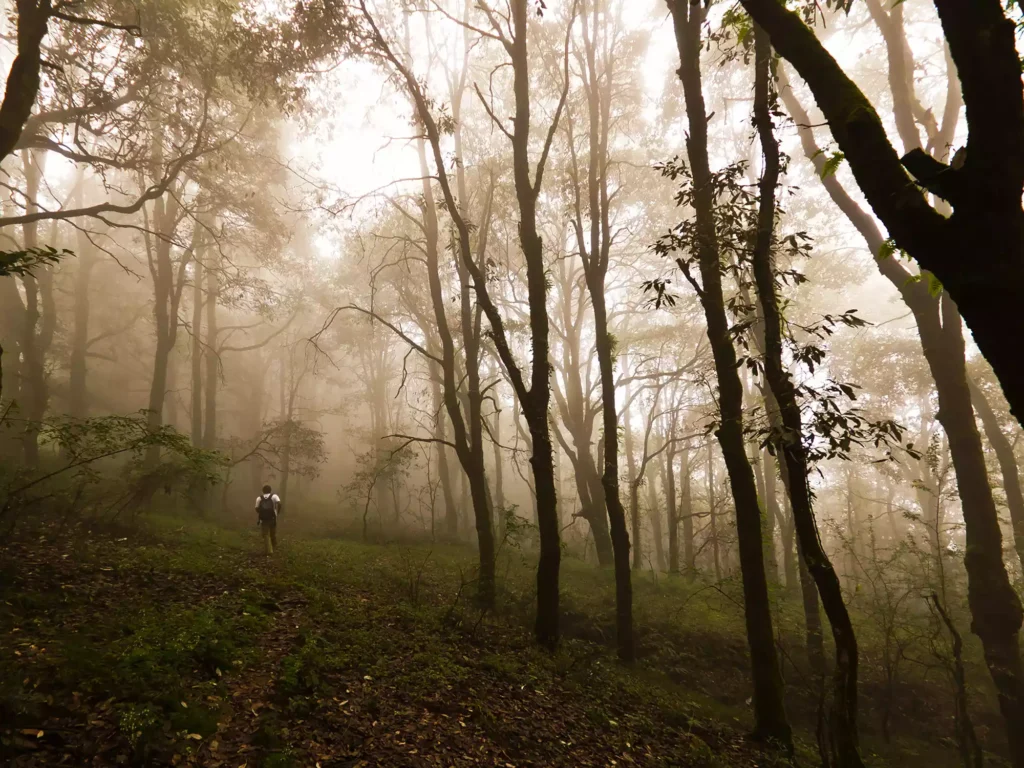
(983, 185)
(843, 722)
(995, 606)
(702, 237)
(595, 246)
(534, 398)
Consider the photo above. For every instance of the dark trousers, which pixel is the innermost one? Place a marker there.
(269, 529)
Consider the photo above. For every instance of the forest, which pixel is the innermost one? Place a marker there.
(618, 383)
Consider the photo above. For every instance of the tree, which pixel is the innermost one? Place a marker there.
(595, 253)
(701, 236)
(843, 722)
(535, 397)
(23, 79)
(995, 605)
(983, 184)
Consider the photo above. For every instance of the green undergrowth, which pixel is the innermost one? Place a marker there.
(178, 642)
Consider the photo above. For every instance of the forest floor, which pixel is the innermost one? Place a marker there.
(175, 645)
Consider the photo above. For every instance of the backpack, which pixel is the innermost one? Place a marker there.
(266, 509)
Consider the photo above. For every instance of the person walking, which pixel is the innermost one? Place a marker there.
(268, 507)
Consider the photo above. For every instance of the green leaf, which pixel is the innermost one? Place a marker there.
(934, 286)
(887, 249)
(832, 165)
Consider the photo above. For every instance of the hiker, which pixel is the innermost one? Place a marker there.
(268, 507)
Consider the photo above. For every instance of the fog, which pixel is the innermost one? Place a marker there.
(410, 264)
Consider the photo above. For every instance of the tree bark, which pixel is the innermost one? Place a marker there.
(843, 721)
(40, 320)
(168, 283)
(668, 482)
(575, 406)
(23, 78)
(451, 512)
(467, 431)
(771, 567)
(985, 191)
(535, 397)
(78, 393)
(197, 353)
(686, 512)
(772, 513)
(995, 606)
(499, 468)
(212, 354)
(291, 384)
(769, 708)
(716, 544)
(1007, 465)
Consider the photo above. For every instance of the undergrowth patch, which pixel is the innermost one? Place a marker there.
(179, 644)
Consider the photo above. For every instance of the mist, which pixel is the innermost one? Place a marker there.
(677, 338)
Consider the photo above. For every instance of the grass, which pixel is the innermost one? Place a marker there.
(179, 644)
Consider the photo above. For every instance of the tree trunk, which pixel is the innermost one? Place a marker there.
(668, 482)
(255, 421)
(292, 384)
(771, 567)
(12, 319)
(1003, 449)
(23, 77)
(475, 461)
(769, 708)
(577, 409)
(78, 394)
(843, 721)
(610, 477)
(168, 283)
(535, 398)
(197, 353)
(686, 512)
(995, 605)
(985, 191)
(589, 490)
(212, 356)
(499, 473)
(814, 636)
(40, 320)
(772, 514)
(451, 514)
(158, 390)
(713, 515)
(467, 430)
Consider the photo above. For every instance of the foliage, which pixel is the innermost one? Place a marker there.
(832, 427)
(301, 445)
(305, 657)
(87, 449)
(25, 262)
